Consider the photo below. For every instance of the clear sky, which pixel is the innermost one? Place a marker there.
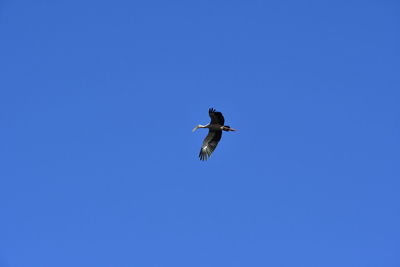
(99, 166)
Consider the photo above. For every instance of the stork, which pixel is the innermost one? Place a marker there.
(215, 128)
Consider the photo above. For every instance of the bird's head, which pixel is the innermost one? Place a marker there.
(228, 129)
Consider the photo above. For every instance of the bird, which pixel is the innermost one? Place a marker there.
(215, 128)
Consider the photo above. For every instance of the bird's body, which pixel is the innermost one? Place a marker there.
(215, 128)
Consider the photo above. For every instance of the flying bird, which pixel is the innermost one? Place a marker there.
(215, 128)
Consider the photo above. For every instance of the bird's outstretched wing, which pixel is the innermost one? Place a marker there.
(216, 117)
(209, 144)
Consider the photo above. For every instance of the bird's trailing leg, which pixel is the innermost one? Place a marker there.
(199, 126)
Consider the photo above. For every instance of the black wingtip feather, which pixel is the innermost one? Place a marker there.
(203, 156)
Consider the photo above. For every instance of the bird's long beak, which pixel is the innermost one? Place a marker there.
(232, 130)
(195, 128)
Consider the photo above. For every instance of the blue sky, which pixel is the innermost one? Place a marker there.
(99, 166)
